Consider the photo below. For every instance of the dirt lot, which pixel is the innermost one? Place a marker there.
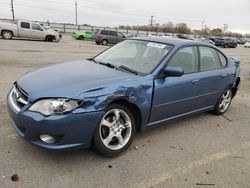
(202, 151)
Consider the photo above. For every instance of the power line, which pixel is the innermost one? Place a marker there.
(12, 10)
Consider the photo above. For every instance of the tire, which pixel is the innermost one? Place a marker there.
(50, 38)
(7, 35)
(81, 37)
(115, 132)
(226, 46)
(104, 42)
(224, 102)
(98, 43)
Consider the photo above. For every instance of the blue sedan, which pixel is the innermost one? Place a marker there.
(133, 86)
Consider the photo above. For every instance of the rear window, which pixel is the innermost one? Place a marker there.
(25, 25)
(104, 32)
(96, 31)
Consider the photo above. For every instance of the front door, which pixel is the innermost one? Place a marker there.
(176, 96)
(37, 31)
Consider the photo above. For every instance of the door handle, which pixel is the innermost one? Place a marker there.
(195, 81)
(223, 75)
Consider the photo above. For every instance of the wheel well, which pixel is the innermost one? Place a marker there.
(105, 39)
(50, 36)
(134, 109)
(6, 30)
(235, 88)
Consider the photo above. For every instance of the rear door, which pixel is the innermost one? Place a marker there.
(213, 77)
(24, 29)
(176, 96)
(113, 37)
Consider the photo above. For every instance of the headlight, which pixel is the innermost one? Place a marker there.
(54, 106)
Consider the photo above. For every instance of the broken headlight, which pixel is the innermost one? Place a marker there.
(54, 106)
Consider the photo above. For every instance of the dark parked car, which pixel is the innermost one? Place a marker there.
(206, 40)
(109, 37)
(241, 41)
(226, 42)
(135, 85)
(182, 36)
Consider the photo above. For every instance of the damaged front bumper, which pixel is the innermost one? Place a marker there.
(70, 131)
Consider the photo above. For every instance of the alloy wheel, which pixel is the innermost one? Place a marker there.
(225, 101)
(7, 35)
(115, 129)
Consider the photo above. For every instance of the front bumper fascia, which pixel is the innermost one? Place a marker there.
(73, 131)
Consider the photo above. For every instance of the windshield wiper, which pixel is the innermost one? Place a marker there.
(122, 67)
(107, 64)
(102, 63)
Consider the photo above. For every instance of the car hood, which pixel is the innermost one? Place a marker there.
(69, 80)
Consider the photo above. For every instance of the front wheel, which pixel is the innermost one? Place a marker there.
(115, 132)
(50, 38)
(7, 35)
(224, 102)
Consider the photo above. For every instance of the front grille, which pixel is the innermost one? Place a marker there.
(18, 98)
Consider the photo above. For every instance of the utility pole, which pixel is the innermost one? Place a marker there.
(225, 28)
(151, 21)
(12, 10)
(202, 25)
(76, 11)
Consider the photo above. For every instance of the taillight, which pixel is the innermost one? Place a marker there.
(98, 36)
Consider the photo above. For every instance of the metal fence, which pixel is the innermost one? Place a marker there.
(69, 28)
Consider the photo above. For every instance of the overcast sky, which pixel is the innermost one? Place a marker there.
(216, 13)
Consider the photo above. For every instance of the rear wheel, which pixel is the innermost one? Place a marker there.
(224, 102)
(7, 35)
(105, 42)
(115, 132)
(81, 37)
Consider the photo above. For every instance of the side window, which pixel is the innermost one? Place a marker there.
(25, 25)
(223, 60)
(120, 35)
(113, 33)
(187, 59)
(104, 32)
(209, 59)
(36, 27)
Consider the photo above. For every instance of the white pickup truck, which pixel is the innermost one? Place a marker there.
(27, 29)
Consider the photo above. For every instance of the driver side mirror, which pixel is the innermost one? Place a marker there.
(172, 72)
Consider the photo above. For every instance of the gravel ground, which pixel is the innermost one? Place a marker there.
(201, 151)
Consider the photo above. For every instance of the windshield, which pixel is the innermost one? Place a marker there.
(141, 57)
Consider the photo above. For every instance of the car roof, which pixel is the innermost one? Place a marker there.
(172, 41)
